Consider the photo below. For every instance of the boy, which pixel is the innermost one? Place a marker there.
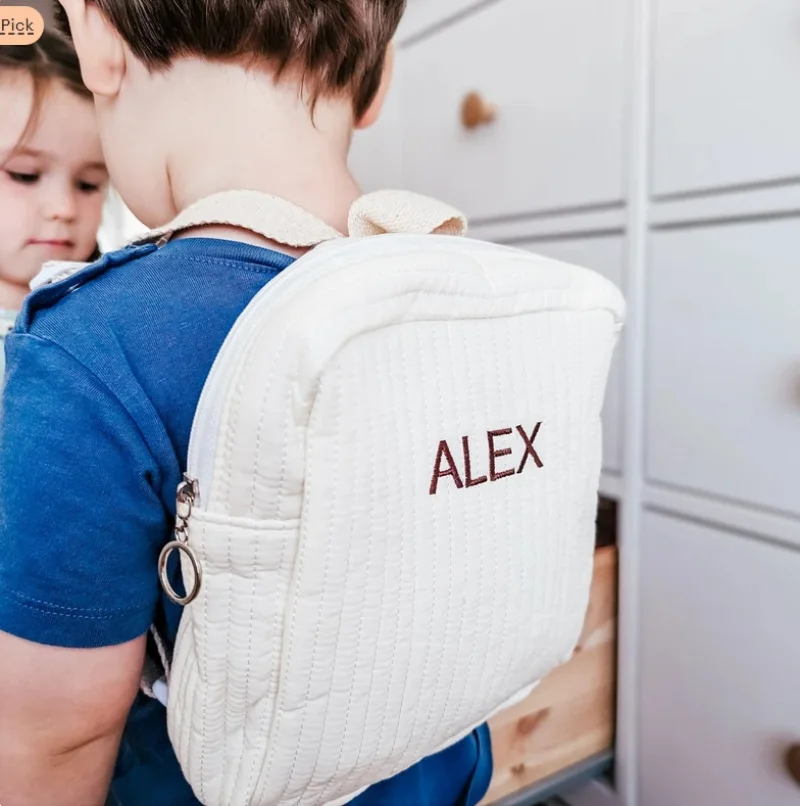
(105, 371)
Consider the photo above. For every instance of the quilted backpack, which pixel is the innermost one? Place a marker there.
(386, 528)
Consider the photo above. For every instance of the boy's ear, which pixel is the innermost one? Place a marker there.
(99, 46)
(376, 107)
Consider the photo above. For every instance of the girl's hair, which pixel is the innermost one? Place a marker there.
(51, 58)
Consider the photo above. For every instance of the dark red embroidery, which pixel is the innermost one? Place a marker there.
(468, 465)
(445, 465)
(495, 454)
(438, 473)
(529, 449)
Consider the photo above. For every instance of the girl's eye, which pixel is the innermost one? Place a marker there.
(88, 187)
(23, 178)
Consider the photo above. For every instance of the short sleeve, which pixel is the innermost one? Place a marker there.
(81, 522)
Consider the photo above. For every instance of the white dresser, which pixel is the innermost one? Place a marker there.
(657, 141)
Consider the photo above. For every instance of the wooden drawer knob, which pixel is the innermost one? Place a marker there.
(475, 111)
(793, 762)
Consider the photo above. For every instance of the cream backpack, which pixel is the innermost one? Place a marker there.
(386, 528)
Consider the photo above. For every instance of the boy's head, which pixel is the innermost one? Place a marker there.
(144, 58)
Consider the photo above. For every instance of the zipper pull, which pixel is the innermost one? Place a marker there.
(185, 500)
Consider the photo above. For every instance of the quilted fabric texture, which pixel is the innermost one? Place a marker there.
(412, 549)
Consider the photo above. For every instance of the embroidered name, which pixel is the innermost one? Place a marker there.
(445, 465)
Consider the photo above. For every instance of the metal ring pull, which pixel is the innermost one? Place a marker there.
(186, 498)
(188, 551)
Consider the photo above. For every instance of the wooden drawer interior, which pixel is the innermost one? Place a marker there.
(570, 716)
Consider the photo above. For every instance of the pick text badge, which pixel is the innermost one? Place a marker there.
(20, 25)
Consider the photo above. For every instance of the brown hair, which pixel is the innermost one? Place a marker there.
(51, 58)
(338, 46)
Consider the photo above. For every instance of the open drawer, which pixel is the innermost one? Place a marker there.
(567, 723)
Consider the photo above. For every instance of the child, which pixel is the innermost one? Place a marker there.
(105, 371)
(52, 174)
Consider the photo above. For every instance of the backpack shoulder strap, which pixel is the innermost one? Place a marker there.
(400, 211)
(281, 221)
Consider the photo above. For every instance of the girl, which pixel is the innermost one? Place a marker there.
(52, 173)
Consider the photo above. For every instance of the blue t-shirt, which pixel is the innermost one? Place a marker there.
(103, 374)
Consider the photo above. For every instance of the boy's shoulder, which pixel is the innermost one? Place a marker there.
(53, 290)
(179, 279)
(129, 317)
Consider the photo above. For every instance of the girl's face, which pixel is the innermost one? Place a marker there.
(51, 186)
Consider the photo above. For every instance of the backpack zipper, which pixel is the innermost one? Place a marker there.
(186, 497)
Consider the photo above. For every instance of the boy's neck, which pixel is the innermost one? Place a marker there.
(232, 129)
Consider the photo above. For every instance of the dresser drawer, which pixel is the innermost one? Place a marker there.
(723, 362)
(423, 15)
(557, 74)
(605, 255)
(725, 76)
(569, 717)
(720, 663)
